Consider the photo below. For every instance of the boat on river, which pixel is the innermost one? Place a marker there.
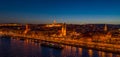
(52, 45)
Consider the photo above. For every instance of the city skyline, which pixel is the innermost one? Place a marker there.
(69, 11)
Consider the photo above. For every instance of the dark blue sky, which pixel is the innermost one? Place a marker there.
(69, 11)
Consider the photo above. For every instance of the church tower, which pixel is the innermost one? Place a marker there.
(105, 27)
(27, 29)
(63, 29)
(54, 22)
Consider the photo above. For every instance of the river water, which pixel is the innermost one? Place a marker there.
(19, 48)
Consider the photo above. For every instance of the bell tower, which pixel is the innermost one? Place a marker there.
(63, 29)
(27, 29)
(105, 27)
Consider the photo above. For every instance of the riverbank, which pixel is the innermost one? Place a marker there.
(89, 45)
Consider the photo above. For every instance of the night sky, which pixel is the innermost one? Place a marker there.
(69, 11)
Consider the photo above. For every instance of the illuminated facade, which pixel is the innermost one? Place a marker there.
(63, 30)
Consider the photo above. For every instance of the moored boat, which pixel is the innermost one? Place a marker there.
(52, 45)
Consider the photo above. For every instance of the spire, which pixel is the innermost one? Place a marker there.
(105, 27)
(27, 28)
(54, 21)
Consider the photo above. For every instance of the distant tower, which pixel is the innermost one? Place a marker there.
(54, 22)
(64, 29)
(105, 27)
(27, 29)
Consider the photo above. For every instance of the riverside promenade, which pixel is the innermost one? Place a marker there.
(114, 48)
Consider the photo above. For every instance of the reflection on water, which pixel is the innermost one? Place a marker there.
(27, 48)
(80, 52)
(110, 55)
(90, 53)
(103, 54)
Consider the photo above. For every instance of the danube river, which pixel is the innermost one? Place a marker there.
(19, 48)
